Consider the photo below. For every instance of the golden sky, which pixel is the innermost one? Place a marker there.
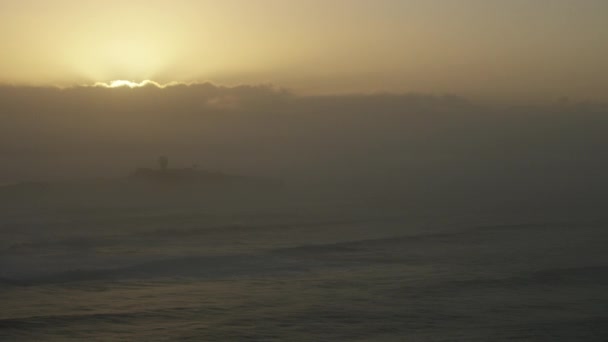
(488, 48)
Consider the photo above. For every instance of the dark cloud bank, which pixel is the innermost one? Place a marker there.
(416, 146)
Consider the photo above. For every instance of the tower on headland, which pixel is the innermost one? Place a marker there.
(163, 162)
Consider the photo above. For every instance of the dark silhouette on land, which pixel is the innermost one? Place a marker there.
(188, 175)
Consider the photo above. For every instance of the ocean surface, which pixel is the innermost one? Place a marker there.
(303, 272)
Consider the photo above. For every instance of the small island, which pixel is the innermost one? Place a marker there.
(190, 175)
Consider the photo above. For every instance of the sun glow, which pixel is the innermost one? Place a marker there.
(127, 84)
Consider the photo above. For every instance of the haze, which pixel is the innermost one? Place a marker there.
(522, 50)
(304, 170)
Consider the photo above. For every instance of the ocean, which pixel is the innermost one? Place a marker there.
(308, 271)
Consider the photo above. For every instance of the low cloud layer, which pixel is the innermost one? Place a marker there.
(394, 141)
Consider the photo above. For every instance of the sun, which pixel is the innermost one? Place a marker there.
(127, 84)
(123, 83)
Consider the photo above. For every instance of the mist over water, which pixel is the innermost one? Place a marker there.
(350, 218)
(433, 171)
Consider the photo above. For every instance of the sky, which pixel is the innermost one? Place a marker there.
(494, 49)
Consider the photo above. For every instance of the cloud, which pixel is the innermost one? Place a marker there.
(444, 144)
